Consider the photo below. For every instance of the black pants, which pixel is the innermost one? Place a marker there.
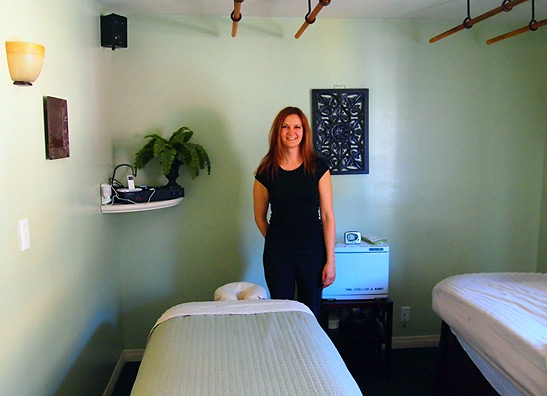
(287, 264)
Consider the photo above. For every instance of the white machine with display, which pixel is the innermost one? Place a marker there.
(362, 272)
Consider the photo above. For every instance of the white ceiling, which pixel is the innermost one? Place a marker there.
(451, 10)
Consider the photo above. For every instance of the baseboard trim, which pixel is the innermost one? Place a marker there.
(133, 355)
(127, 355)
(114, 377)
(426, 341)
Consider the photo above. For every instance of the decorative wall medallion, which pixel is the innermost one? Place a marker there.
(340, 127)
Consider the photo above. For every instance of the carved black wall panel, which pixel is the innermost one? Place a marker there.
(340, 129)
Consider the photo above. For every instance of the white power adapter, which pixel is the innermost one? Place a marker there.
(106, 193)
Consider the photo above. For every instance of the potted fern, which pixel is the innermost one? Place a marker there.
(173, 153)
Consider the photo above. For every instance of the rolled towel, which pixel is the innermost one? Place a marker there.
(240, 291)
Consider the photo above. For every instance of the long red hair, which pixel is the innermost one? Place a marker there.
(270, 162)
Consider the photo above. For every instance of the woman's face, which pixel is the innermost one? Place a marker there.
(291, 131)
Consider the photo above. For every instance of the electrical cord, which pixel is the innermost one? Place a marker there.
(115, 183)
(116, 196)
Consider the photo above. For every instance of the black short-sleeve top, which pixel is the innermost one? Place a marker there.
(294, 200)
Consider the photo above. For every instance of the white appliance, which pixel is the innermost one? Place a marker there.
(362, 272)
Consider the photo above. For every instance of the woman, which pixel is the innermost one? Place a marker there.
(299, 245)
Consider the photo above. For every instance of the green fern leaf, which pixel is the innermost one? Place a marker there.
(182, 135)
(166, 159)
(144, 155)
(203, 158)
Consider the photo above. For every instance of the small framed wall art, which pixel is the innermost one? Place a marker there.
(340, 129)
(56, 128)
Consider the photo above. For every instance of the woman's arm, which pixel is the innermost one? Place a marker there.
(261, 200)
(329, 227)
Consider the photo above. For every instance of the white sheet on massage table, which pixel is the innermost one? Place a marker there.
(503, 317)
(242, 348)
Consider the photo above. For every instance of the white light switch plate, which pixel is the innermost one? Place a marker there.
(24, 235)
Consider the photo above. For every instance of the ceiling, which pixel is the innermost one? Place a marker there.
(451, 10)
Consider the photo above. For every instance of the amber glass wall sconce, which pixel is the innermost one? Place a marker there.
(24, 61)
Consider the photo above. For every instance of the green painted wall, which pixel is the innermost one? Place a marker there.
(457, 137)
(542, 251)
(60, 328)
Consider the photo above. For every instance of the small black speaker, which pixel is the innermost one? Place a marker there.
(113, 31)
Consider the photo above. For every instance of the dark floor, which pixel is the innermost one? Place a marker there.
(127, 377)
(412, 373)
(416, 371)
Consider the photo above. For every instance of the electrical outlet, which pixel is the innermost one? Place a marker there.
(405, 314)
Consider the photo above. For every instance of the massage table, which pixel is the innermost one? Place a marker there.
(241, 348)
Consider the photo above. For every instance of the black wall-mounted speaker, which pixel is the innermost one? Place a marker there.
(113, 31)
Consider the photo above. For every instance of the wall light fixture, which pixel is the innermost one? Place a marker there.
(24, 61)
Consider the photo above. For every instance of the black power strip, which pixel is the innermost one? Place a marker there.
(149, 194)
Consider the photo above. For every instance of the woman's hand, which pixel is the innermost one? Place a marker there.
(329, 274)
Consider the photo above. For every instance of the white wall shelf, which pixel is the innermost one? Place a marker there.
(140, 207)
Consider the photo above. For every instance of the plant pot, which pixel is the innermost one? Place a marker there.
(173, 174)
